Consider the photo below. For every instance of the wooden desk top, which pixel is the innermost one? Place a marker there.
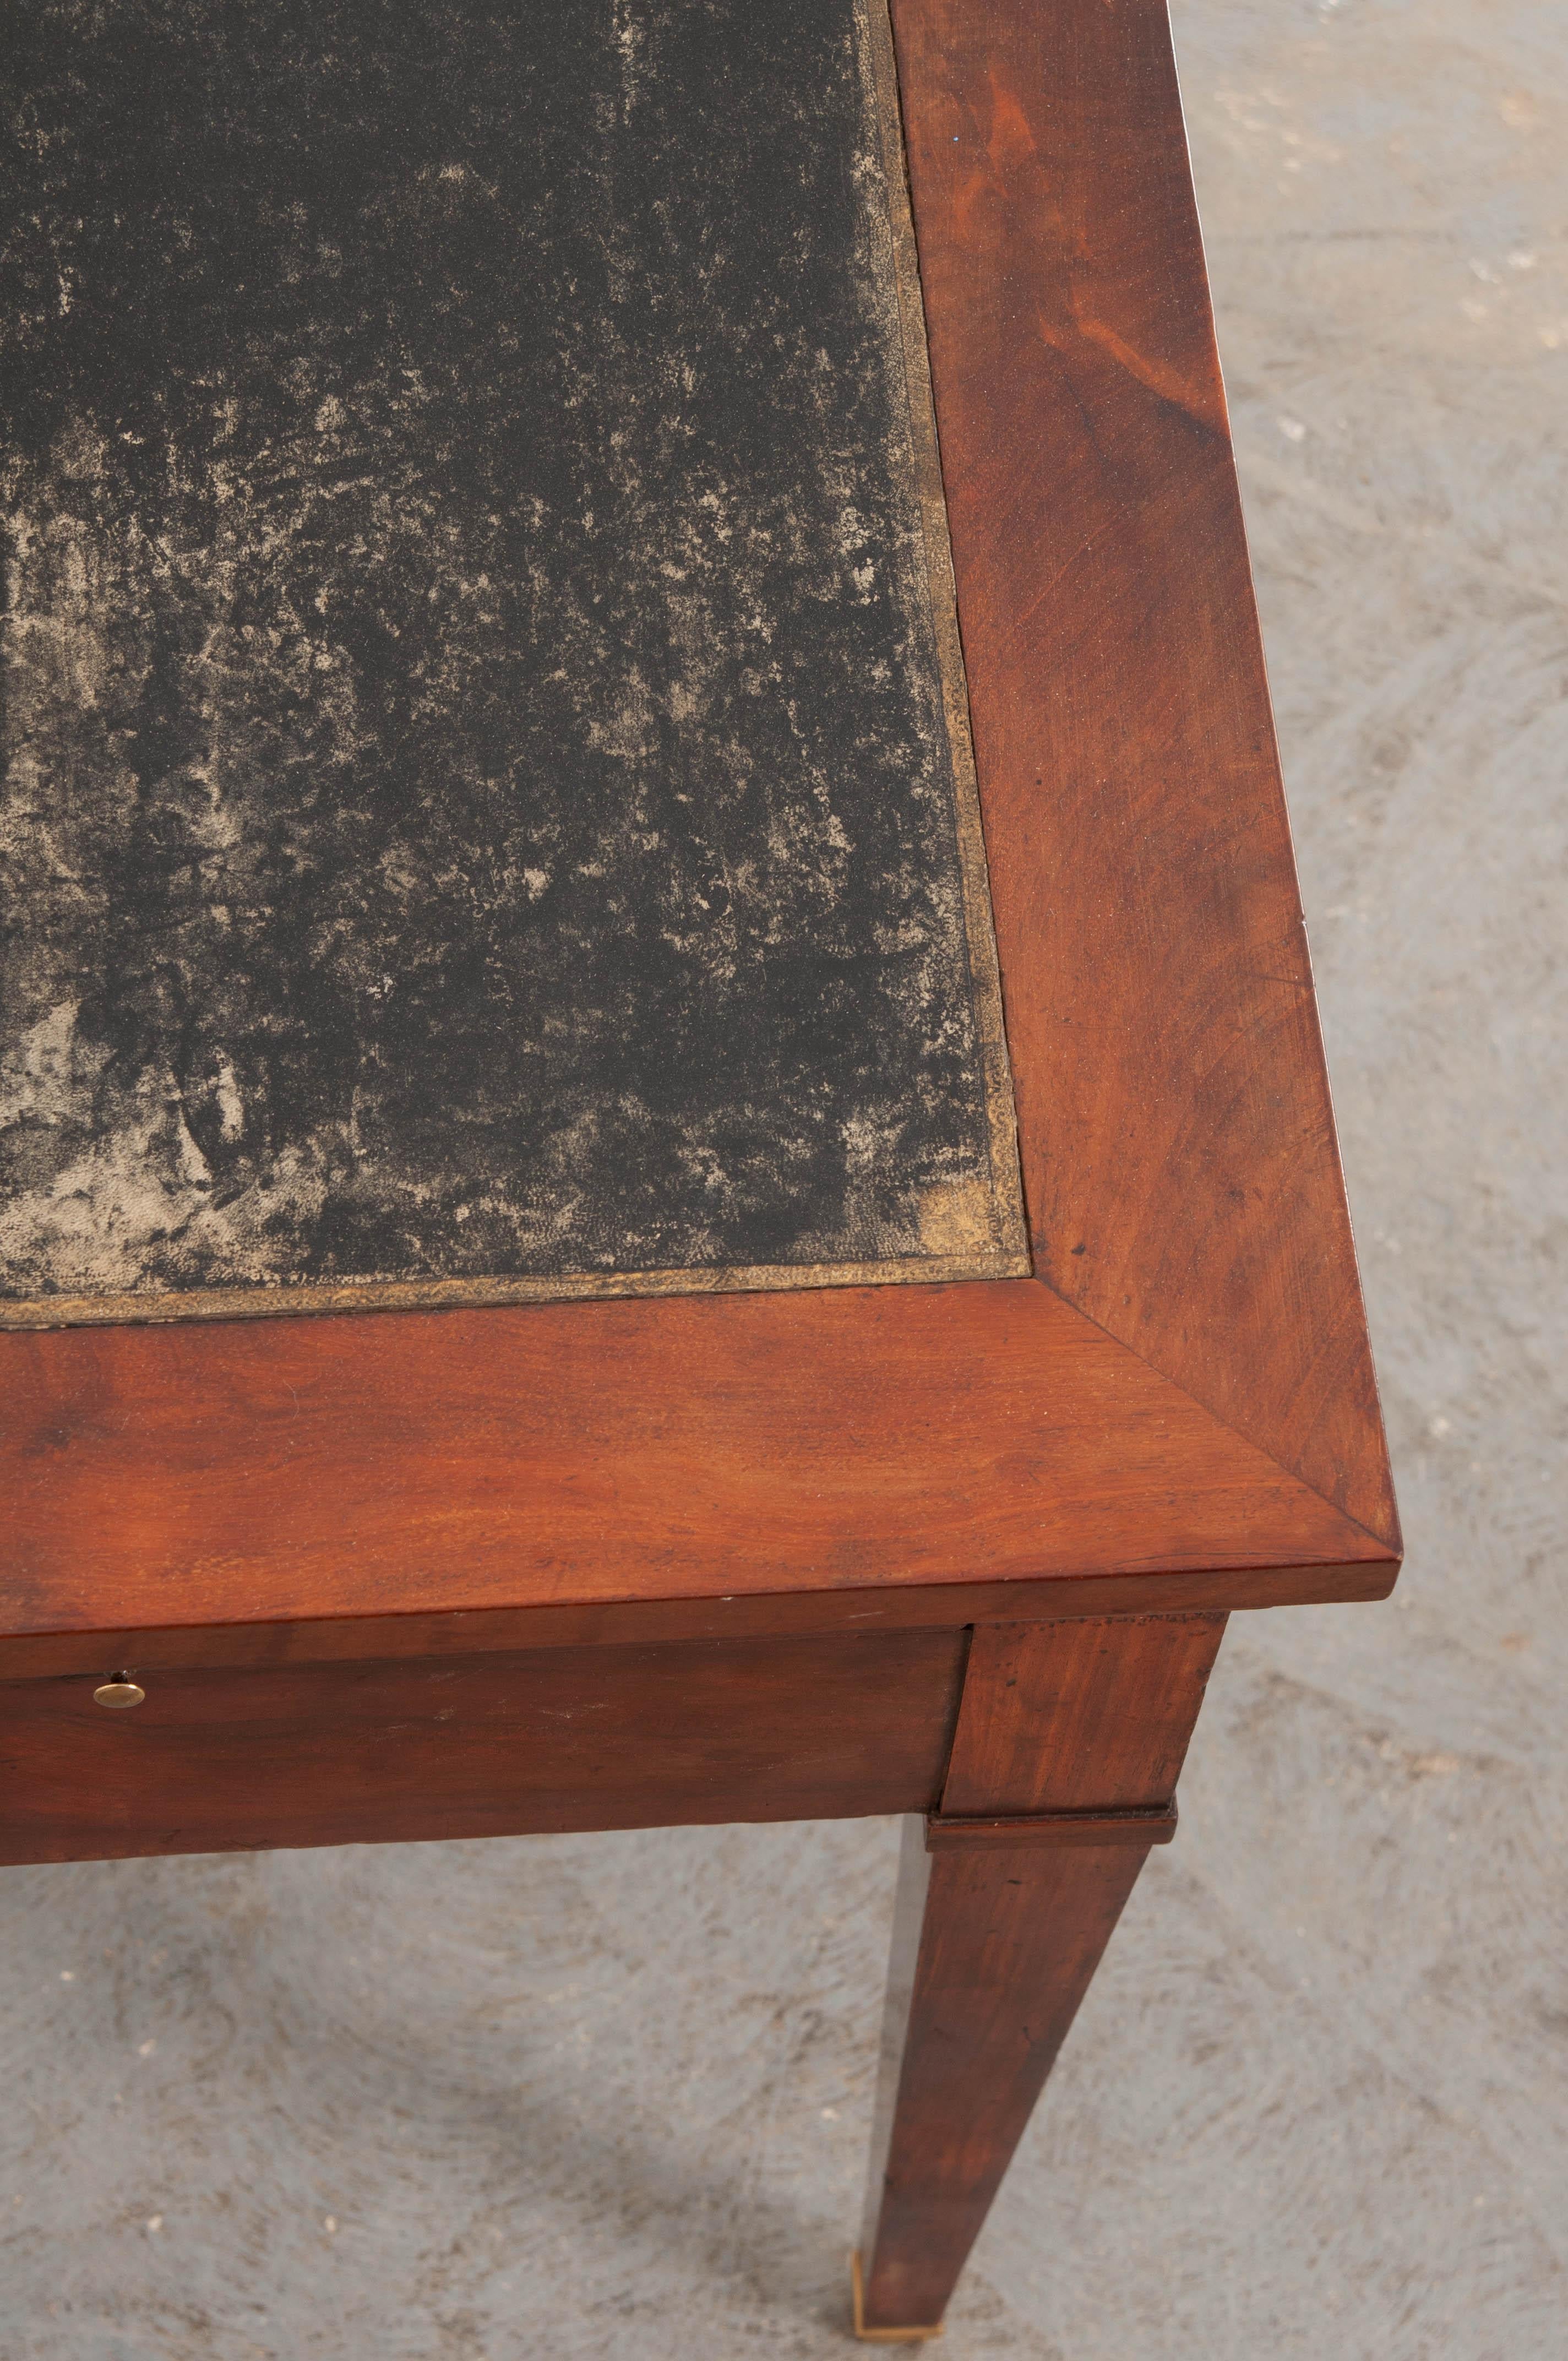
(1177, 1406)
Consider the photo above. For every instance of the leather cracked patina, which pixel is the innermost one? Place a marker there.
(488, 803)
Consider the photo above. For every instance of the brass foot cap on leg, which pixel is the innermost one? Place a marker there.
(883, 2336)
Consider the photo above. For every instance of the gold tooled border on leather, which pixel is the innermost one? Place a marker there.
(975, 1233)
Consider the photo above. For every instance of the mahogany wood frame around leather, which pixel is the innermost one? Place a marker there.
(754, 1532)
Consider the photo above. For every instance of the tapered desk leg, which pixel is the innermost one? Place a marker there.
(1069, 1740)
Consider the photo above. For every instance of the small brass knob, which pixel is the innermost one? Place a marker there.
(122, 1690)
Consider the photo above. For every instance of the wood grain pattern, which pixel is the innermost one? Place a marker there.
(1091, 1716)
(552, 1456)
(1179, 1157)
(1188, 1400)
(690, 1504)
(357, 1639)
(1007, 1944)
(495, 1745)
(995, 1944)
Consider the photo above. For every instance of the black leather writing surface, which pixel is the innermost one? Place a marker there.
(486, 809)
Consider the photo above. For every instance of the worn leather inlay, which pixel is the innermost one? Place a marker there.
(486, 809)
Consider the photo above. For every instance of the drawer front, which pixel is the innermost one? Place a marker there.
(810, 1728)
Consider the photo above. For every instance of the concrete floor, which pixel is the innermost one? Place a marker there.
(609, 2096)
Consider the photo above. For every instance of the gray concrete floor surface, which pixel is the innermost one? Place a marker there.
(609, 2095)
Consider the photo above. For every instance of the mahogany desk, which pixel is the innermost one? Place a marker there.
(665, 1149)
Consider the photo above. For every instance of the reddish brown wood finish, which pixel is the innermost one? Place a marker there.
(1190, 1394)
(1005, 1945)
(607, 1564)
(994, 1944)
(493, 1745)
(1091, 1716)
(297, 1472)
(625, 1623)
(1179, 1164)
